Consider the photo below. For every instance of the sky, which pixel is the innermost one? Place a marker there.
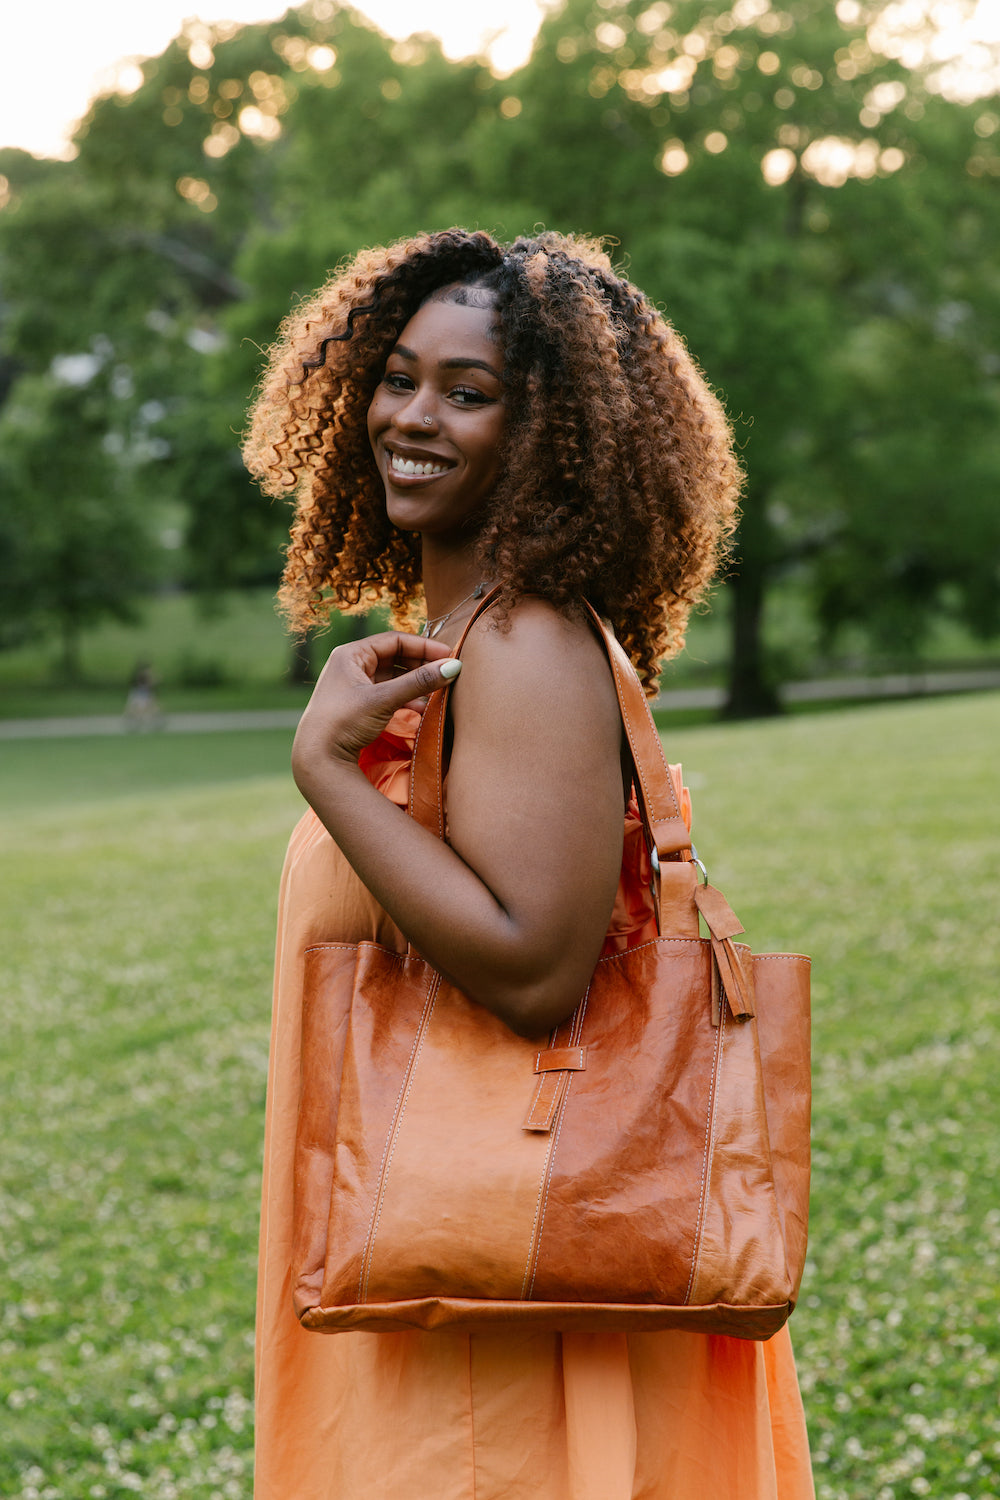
(55, 55)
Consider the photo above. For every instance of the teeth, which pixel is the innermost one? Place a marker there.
(407, 466)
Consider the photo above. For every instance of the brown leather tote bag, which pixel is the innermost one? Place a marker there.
(645, 1166)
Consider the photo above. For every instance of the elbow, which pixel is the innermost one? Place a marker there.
(532, 986)
(532, 1010)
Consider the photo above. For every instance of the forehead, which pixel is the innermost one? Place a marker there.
(450, 330)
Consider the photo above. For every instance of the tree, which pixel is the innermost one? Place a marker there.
(814, 217)
(72, 548)
(784, 187)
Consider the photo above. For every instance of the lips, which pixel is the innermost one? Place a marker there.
(415, 465)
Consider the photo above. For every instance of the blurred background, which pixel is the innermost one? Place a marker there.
(810, 191)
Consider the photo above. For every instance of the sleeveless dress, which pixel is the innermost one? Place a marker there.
(505, 1416)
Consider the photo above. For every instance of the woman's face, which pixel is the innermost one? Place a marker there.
(436, 419)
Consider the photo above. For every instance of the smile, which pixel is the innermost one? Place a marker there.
(400, 465)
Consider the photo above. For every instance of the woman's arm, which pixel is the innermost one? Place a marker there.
(513, 911)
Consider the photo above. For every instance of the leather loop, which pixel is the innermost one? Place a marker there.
(545, 1102)
(561, 1059)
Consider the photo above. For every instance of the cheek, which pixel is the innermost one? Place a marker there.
(491, 454)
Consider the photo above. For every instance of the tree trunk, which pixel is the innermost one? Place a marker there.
(751, 692)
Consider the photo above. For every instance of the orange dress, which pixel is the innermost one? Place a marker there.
(456, 1416)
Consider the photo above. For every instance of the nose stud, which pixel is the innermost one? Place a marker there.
(427, 421)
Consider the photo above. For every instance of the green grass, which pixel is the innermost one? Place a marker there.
(65, 773)
(138, 881)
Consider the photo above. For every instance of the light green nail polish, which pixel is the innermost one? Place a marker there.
(450, 668)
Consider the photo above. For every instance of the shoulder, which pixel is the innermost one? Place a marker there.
(542, 657)
(534, 627)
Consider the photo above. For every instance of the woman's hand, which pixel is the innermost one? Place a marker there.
(359, 690)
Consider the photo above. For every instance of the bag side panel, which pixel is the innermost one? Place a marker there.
(389, 995)
(783, 1024)
(328, 980)
(741, 1254)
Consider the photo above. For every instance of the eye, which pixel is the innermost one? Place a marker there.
(467, 395)
(397, 381)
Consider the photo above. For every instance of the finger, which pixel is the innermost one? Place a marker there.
(405, 690)
(395, 651)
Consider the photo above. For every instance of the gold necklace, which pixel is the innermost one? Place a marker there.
(438, 620)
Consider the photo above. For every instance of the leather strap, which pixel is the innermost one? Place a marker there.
(661, 815)
(426, 779)
(664, 825)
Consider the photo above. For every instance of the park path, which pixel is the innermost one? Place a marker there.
(895, 685)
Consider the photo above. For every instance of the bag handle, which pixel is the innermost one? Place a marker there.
(664, 825)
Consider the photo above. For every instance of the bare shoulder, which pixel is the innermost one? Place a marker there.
(541, 656)
(534, 631)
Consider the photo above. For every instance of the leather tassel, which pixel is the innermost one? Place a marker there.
(734, 978)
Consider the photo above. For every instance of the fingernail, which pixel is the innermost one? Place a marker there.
(450, 668)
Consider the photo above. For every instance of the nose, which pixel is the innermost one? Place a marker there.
(417, 415)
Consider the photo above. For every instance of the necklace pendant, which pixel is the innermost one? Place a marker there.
(439, 620)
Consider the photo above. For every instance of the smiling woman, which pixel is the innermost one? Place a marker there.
(437, 418)
(454, 417)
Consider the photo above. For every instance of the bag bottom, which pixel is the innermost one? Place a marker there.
(473, 1315)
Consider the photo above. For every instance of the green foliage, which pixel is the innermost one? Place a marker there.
(72, 548)
(815, 218)
(132, 1088)
(227, 651)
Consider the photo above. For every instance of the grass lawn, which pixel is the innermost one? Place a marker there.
(138, 880)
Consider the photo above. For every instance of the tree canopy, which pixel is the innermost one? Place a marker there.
(814, 215)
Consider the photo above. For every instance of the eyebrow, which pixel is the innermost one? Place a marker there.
(458, 363)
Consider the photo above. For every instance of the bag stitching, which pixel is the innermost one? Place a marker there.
(532, 1260)
(610, 958)
(535, 1099)
(322, 947)
(546, 1184)
(707, 1158)
(536, 1223)
(575, 1033)
(393, 1135)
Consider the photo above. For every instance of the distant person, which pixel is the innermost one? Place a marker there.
(456, 416)
(142, 709)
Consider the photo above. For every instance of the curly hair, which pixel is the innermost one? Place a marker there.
(619, 481)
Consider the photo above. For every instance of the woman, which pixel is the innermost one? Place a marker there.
(455, 415)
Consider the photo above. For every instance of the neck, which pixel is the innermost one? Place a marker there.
(448, 576)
